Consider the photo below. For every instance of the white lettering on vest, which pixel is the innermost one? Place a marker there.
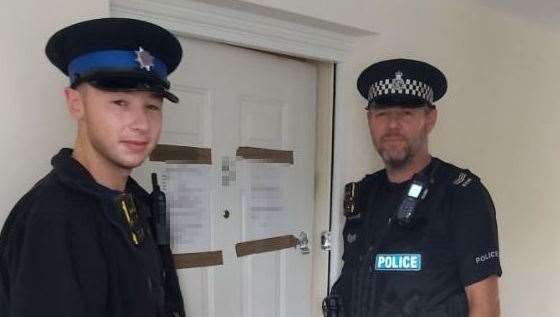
(398, 262)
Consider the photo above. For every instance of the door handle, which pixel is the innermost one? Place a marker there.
(326, 243)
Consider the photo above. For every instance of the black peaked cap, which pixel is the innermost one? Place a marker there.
(110, 34)
(401, 82)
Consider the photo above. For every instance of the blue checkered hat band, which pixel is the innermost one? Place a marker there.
(406, 87)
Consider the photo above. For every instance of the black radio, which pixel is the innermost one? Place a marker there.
(415, 193)
(406, 213)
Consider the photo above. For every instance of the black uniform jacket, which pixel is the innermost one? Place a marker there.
(454, 240)
(66, 250)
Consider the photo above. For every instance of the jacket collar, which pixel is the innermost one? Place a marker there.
(72, 173)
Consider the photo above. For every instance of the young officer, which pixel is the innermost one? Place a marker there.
(81, 241)
(420, 237)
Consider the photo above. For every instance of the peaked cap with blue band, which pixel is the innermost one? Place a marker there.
(116, 54)
(401, 83)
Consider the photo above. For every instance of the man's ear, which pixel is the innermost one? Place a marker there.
(74, 102)
(431, 119)
(369, 113)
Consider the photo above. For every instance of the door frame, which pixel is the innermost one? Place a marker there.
(276, 31)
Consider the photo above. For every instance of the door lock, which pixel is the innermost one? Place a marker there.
(303, 243)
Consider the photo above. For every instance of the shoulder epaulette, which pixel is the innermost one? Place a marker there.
(464, 178)
(455, 176)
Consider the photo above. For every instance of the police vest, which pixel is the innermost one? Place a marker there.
(405, 271)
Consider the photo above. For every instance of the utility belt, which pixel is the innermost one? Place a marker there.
(456, 306)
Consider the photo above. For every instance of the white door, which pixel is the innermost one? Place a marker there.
(230, 98)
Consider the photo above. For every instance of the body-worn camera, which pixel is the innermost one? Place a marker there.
(406, 213)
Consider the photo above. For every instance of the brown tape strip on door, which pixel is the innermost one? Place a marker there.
(273, 156)
(200, 259)
(179, 153)
(265, 245)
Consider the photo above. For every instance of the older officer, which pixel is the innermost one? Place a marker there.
(420, 236)
(81, 241)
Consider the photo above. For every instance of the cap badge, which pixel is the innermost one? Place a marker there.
(398, 82)
(144, 58)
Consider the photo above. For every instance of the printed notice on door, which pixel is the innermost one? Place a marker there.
(188, 191)
(264, 205)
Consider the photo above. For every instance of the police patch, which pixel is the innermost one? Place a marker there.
(398, 262)
(351, 237)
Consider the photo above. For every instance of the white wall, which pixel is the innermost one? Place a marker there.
(500, 118)
(33, 123)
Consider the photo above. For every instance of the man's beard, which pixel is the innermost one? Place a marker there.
(397, 163)
(406, 155)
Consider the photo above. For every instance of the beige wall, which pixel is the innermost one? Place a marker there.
(356, 13)
(499, 117)
(33, 123)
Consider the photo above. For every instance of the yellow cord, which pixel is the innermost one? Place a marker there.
(134, 238)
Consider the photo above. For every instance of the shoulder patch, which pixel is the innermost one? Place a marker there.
(351, 237)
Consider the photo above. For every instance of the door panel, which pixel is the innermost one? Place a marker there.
(262, 122)
(188, 122)
(233, 97)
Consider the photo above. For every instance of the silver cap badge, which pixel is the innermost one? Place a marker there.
(144, 58)
(398, 82)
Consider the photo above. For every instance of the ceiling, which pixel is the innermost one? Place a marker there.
(542, 11)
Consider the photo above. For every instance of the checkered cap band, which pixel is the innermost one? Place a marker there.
(405, 87)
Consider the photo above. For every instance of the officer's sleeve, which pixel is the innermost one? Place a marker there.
(42, 278)
(3, 290)
(474, 232)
